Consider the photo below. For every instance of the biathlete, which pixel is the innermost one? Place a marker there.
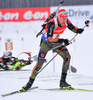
(7, 62)
(50, 39)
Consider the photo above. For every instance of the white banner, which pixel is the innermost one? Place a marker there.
(82, 12)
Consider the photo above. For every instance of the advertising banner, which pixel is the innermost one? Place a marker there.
(42, 13)
(24, 14)
(82, 12)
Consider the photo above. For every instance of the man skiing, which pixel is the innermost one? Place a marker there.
(50, 39)
(7, 62)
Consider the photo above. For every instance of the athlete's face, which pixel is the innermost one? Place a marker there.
(62, 20)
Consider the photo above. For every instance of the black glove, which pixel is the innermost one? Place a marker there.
(66, 41)
(80, 30)
(28, 63)
(86, 22)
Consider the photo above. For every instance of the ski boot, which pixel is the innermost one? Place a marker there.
(28, 85)
(63, 82)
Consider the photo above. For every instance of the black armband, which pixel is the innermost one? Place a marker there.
(60, 40)
(50, 29)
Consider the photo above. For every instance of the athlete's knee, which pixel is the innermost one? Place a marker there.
(40, 63)
(41, 55)
(68, 56)
(68, 60)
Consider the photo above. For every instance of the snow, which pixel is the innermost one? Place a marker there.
(14, 80)
(81, 58)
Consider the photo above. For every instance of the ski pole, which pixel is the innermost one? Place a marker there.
(73, 37)
(54, 56)
(51, 16)
(62, 48)
(51, 59)
(83, 28)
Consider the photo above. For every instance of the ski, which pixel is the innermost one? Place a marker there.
(18, 91)
(68, 88)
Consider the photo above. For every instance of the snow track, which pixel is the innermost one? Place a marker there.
(14, 80)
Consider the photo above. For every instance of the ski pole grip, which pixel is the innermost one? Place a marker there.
(87, 23)
(61, 2)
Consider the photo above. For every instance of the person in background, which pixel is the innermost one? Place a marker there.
(7, 62)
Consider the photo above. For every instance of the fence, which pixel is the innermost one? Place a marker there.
(41, 3)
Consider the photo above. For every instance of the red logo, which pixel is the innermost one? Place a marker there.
(42, 55)
(66, 51)
(24, 14)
